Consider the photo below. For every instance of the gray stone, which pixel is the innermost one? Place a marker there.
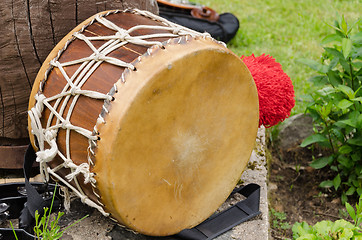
(258, 227)
(294, 130)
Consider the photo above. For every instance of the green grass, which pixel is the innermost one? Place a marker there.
(287, 30)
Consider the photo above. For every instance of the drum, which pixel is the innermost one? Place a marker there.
(147, 121)
(29, 31)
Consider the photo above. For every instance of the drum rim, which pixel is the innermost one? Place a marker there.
(154, 51)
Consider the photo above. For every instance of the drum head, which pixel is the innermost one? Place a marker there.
(177, 136)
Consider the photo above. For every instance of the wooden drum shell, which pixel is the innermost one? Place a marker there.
(30, 30)
(178, 132)
(88, 108)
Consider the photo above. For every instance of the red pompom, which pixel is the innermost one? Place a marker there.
(275, 89)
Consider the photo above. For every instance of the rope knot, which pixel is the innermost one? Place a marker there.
(39, 106)
(207, 35)
(79, 36)
(39, 97)
(74, 91)
(48, 154)
(84, 169)
(53, 62)
(122, 35)
(176, 30)
(99, 57)
(67, 163)
(50, 135)
(66, 124)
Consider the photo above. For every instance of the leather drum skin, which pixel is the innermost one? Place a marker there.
(147, 121)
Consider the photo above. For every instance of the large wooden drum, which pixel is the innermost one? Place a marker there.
(147, 121)
(29, 31)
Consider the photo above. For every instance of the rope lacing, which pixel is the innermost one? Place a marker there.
(68, 97)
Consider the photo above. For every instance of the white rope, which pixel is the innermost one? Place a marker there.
(83, 197)
(72, 90)
(66, 196)
(44, 156)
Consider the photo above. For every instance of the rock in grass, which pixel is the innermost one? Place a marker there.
(294, 130)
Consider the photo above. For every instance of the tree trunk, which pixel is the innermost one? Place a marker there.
(30, 30)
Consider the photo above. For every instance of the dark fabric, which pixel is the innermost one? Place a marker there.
(224, 221)
(224, 29)
(34, 200)
(21, 200)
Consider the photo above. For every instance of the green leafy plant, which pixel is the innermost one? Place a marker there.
(43, 230)
(279, 220)
(328, 230)
(336, 108)
(46, 229)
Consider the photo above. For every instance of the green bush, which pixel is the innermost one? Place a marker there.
(328, 230)
(336, 108)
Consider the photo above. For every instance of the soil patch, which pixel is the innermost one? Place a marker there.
(294, 192)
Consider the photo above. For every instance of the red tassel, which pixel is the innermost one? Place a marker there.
(275, 89)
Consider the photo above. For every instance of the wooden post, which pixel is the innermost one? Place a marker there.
(29, 31)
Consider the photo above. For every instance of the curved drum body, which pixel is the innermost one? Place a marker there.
(147, 121)
(29, 31)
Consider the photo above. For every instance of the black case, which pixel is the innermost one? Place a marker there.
(224, 29)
